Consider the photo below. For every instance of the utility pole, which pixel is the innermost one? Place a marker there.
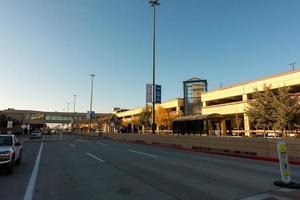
(293, 65)
(91, 103)
(153, 3)
(74, 109)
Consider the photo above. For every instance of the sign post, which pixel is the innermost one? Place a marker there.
(9, 126)
(283, 162)
(23, 127)
(286, 179)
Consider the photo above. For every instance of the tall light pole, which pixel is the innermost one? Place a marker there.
(68, 106)
(91, 103)
(74, 109)
(293, 65)
(74, 103)
(153, 3)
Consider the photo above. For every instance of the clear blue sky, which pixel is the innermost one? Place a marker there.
(48, 48)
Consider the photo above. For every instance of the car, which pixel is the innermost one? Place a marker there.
(36, 134)
(47, 132)
(10, 152)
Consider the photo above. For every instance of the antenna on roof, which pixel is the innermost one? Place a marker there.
(293, 65)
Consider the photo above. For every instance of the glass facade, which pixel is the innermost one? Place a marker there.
(192, 90)
(58, 118)
(37, 116)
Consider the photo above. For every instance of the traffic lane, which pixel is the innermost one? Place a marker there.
(263, 167)
(14, 186)
(193, 177)
(68, 172)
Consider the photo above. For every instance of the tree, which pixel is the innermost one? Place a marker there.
(261, 110)
(144, 118)
(273, 109)
(164, 118)
(161, 116)
(286, 109)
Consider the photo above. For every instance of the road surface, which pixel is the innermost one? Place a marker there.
(73, 167)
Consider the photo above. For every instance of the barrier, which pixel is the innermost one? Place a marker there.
(259, 147)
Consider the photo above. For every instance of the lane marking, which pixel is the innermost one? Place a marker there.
(103, 144)
(72, 145)
(285, 190)
(31, 184)
(142, 153)
(93, 156)
(80, 140)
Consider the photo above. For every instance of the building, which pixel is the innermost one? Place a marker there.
(192, 91)
(40, 119)
(130, 117)
(229, 103)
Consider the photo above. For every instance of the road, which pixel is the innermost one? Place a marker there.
(73, 167)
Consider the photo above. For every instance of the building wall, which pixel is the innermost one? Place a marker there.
(242, 91)
(175, 104)
(276, 81)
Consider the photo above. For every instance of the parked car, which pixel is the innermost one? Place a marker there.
(10, 152)
(36, 134)
(47, 132)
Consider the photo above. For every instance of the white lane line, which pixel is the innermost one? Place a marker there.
(31, 184)
(91, 155)
(103, 144)
(142, 153)
(72, 145)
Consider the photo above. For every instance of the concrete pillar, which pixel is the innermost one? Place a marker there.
(246, 125)
(245, 97)
(223, 127)
(177, 109)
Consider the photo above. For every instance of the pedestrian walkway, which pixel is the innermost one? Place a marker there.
(280, 194)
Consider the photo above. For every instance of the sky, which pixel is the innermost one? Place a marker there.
(48, 48)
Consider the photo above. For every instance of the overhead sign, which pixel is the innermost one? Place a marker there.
(91, 115)
(149, 93)
(283, 161)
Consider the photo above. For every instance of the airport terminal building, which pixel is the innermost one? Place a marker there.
(223, 110)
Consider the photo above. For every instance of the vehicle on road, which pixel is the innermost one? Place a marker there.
(10, 152)
(36, 134)
(47, 132)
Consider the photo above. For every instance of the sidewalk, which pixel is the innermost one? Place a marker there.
(280, 194)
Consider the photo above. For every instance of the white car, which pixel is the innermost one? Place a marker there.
(10, 152)
(36, 134)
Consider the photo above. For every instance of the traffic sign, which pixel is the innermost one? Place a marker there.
(283, 162)
(149, 93)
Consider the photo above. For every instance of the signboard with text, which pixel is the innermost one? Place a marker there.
(91, 115)
(149, 93)
(283, 161)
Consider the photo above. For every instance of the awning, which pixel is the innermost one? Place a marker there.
(198, 117)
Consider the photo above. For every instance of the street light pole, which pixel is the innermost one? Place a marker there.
(74, 109)
(153, 3)
(91, 103)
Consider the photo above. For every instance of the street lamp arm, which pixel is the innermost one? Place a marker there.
(154, 3)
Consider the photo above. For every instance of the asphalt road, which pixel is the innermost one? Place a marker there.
(82, 168)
